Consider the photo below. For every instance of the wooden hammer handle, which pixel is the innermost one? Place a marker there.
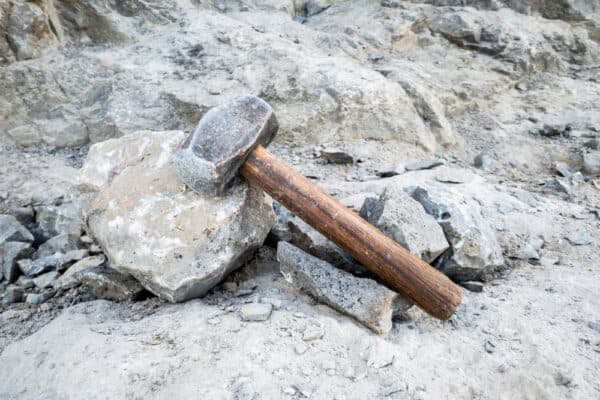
(399, 269)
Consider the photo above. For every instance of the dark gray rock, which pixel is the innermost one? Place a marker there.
(11, 230)
(364, 299)
(10, 253)
(336, 156)
(62, 243)
(54, 220)
(473, 286)
(13, 294)
(403, 219)
(110, 284)
(45, 264)
(211, 156)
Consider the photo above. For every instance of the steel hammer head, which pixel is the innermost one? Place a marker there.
(211, 156)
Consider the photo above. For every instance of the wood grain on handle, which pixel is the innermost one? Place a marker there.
(407, 274)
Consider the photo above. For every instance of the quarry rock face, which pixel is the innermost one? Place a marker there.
(175, 242)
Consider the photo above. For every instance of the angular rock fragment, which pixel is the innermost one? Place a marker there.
(255, 311)
(579, 238)
(39, 298)
(591, 163)
(55, 220)
(365, 300)
(473, 286)
(68, 279)
(10, 253)
(44, 264)
(336, 156)
(175, 242)
(475, 250)
(46, 280)
(13, 294)
(110, 284)
(485, 162)
(62, 243)
(403, 219)
(11, 230)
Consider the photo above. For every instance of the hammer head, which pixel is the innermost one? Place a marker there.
(211, 156)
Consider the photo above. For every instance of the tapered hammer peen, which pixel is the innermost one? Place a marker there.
(230, 139)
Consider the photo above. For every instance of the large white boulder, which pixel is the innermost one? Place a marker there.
(175, 242)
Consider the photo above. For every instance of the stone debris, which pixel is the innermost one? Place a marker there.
(312, 332)
(256, 311)
(110, 284)
(367, 301)
(473, 286)
(68, 279)
(485, 162)
(46, 280)
(336, 156)
(530, 249)
(13, 294)
(591, 163)
(11, 230)
(403, 219)
(177, 243)
(564, 169)
(44, 264)
(476, 252)
(62, 243)
(10, 254)
(39, 298)
(53, 220)
(579, 238)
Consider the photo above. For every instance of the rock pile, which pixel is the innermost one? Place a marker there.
(36, 266)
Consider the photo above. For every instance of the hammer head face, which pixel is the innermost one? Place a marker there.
(211, 156)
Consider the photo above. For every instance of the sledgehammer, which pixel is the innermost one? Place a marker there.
(230, 139)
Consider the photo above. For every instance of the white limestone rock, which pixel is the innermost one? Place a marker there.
(177, 243)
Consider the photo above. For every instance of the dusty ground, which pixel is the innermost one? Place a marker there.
(534, 331)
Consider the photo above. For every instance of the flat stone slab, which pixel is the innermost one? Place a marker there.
(369, 302)
(175, 242)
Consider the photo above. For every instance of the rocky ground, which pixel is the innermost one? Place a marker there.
(465, 130)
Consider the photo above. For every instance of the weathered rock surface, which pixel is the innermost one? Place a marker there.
(591, 163)
(54, 220)
(10, 253)
(256, 311)
(475, 251)
(110, 284)
(403, 219)
(68, 280)
(177, 243)
(62, 243)
(11, 230)
(364, 299)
